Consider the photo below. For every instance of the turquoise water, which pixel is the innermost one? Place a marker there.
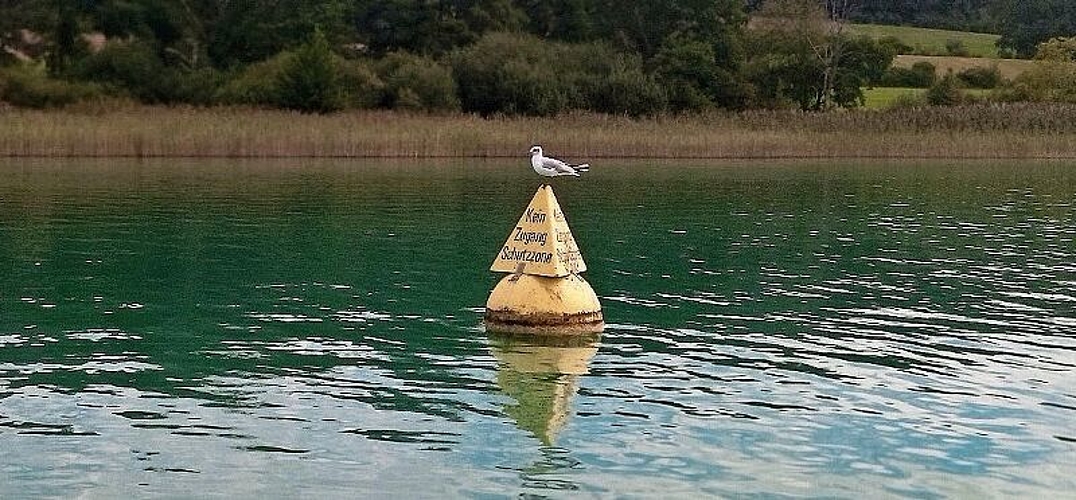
(194, 328)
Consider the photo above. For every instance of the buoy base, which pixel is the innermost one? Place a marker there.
(524, 304)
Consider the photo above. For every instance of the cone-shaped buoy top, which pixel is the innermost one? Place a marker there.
(541, 244)
(544, 295)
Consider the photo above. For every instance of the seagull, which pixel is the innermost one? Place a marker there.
(552, 167)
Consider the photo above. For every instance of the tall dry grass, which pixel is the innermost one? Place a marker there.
(986, 131)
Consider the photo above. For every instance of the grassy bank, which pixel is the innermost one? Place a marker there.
(1014, 131)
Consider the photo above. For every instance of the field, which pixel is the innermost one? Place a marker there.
(986, 131)
(886, 97)
(927, 41)
(930, 46)
(1009, 68)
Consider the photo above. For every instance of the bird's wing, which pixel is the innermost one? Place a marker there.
(559, 166)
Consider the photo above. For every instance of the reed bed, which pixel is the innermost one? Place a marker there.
(986, 131)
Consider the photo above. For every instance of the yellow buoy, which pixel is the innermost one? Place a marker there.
(544, 295)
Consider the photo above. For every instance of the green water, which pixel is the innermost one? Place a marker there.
(284, 329)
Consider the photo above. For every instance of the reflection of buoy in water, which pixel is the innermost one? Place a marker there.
(544, 295)
(542, 375)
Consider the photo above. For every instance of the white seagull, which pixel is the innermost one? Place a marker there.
(552, 167)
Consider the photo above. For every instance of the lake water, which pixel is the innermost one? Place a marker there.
(301, 328)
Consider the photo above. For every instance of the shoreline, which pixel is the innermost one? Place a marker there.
(514, 157)
(987, 132)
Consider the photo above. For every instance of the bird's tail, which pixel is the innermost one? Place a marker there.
(585, 167)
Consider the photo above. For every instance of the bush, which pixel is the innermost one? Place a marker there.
(946, 92)
(908, 101)
(1052, 78)
(363, 89)
(310, 81)
(596, 77)
(257, 84)
(895, 45)
(627, 90)
(127, 67)
(511, 74)
(957, 48)
(28, 86)
(684, 67)
(523, 74)
(417, 83)
(921, 75)
(1046, 81)
(134, 69)
(1060, 49)
(981, 77)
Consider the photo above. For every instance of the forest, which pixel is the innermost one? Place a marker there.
(508, 57)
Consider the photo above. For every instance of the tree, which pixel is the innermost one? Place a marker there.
(1053, 76)
(569, 20)
(1060, 49)
(245, 31)
(686, 68)
(945, 92)
(668, 33)
(643, 25)
(830, 48)
(963, 15)
(311, 80)
(432, 27)
(803, 56)
(523, 74)
(19, 15)
(1023, 24)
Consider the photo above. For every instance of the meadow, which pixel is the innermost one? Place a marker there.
(981, 131)
(927, 41)
(1009, 68)
(885, 97)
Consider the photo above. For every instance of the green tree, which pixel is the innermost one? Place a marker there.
(1053, 76)
(432, 27)
(417, 83)
(802, 57)
(1023, 24)
(670, 35)
(1060, 49)
(946, 92)
(245, 31)
(523, 74)
(66, 45)
(511, 74)
(692, 80)
(962, 15)
(568, 20)
(922, 74)
(644, 26)
(311, 81)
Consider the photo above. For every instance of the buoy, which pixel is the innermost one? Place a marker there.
(544, 294)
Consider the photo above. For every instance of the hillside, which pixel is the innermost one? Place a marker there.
(1009, 68)
(926, 41)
